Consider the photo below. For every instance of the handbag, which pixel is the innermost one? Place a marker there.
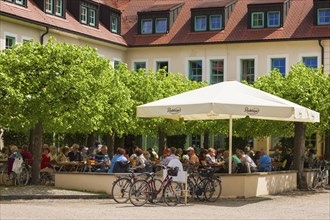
(17, 165)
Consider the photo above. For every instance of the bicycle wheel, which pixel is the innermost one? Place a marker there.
(156, 197)
(23, 177)
(7, 179)
(139, 193)
(200, 190)
(172, 192)
(316, 181)
(120, 190)
(191, 191)
(213, 190)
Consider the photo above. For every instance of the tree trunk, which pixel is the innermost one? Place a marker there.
(91, 141)
(37, 147)
(31, 144)
(110, 142)
(327, 146)
(161, 142)
(206, 140)
(298, 154)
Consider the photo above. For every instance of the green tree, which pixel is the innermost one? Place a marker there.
(57, 87)
(305, 86)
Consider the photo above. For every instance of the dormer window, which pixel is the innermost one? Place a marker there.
(18, 2)
(158, 19)
(200, 23)
(111, 18)
(54, 7)
(267, 15)
(88, 14)
(215, 22)
(322, 12)
(114, 23)
(211, 16)
(161, 25)
(146, 26)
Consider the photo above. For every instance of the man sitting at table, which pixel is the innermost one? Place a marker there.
(265, 163)
(248, 165)
(116, 160)
(102, 160)
(74, 154)
(210, 158)
(172, 155)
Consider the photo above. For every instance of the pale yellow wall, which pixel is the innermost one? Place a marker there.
(326, 45)
(178, 56)
(23, 30)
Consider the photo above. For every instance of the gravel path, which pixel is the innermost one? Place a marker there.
(293, 205)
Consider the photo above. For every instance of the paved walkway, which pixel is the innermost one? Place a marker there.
(44, 192)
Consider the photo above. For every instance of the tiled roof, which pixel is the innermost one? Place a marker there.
(34, 14)
(214, 4)
(261, 2)
(161, 7)
(298, 23)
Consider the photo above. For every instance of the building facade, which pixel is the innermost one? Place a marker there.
(211, 40)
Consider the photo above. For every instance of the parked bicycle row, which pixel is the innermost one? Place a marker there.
(141, 188)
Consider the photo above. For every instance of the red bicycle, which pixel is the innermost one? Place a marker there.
(143, 191)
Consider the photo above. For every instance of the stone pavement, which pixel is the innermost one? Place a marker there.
(45, 192)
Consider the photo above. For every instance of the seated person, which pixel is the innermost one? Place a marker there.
(265, 163)
(287, 159)
(45, 165)
(234, 162)
(14, 154)
(74, 154)
(119, 157)
(202, 157)
(53, 154)
(248, 165)
(141, 163)
(172, 155)
(27, 155)
(63, 156)
(210, 158)
(102, 160)
(276, 154)
(4, 153)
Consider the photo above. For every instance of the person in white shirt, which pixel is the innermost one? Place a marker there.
(172, 156)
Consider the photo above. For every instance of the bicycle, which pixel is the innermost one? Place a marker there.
(22, 177)
(204, 185)
(143, 191)
(322, 175)
(122, 185)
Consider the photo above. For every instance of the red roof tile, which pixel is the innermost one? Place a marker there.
(161, 7)
(214, 4)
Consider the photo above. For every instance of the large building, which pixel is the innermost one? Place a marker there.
(212, 40)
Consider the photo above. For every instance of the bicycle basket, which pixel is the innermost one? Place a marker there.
(206, 173)
(173, 171)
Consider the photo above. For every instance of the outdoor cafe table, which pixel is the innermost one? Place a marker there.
(76, 166)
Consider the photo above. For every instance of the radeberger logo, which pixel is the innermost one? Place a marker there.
(173, 111)
(251, 111)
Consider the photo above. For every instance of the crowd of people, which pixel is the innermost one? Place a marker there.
(243, 161)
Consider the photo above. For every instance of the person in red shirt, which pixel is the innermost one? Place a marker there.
(45, 161)
(27, 155)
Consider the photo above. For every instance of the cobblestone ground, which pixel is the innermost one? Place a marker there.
(293, 205)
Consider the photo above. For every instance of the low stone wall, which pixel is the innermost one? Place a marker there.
(233, 185)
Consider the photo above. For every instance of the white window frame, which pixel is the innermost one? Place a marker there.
(19, 2)
(83, 9)
(278, 56)
(318, 16)
(92, 19)
(51, 3)
(263, 20)
(239, 66)
(61, 8)
(5, 34)
(208, 65)
(279, 19)
(139, 60)
(187, 61)
(161, 32)
(315, 54)
(152, 25)
(115, 59)
(168, 60)
(114, 30)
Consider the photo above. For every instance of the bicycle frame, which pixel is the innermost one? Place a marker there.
(151, 184)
